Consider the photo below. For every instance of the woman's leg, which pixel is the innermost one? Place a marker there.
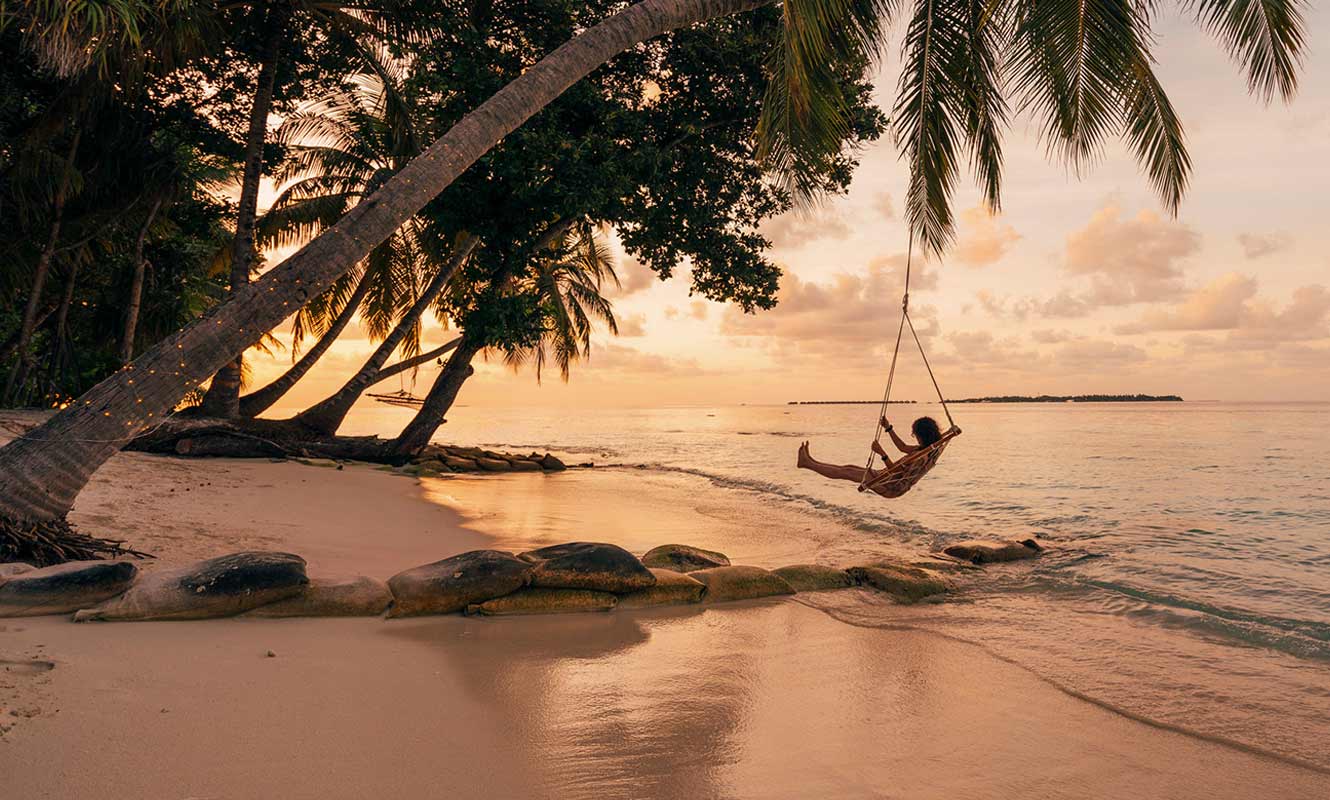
(841, 472)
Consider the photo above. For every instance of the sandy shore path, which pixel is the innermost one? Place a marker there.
(772, 700)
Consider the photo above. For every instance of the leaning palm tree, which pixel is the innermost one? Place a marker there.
(341, 149)
(1084, 66)
(564, 283)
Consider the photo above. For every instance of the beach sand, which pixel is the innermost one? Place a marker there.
(769, 699)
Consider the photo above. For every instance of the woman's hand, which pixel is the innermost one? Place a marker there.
(886, 426)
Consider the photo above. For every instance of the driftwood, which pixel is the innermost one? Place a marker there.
(55, 542)
(257, 438)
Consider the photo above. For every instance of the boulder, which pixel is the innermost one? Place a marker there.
(588, 565)
(992, 551)
(551, 463)
(814, 577)
(540, 600)
(460, 463)
(524, 465)
(903, 582)
(454, 583)
(671, 588)
(14, 568)
(218, 587)
(683, 558)
(63, 588)
(332, 597)
(493, 464)
(740, 583)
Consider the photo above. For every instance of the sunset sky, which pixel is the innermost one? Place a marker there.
(1082, 284)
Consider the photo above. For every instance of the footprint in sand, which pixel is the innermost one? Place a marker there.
(34, 667)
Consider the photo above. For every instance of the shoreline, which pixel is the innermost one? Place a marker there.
(378, 524)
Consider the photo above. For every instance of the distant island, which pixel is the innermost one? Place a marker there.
(1075, 398)
(1015, 398)
(848, 402)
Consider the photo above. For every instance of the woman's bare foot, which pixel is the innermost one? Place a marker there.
(805, 458)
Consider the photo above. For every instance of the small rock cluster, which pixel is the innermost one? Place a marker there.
(576, 576)
(437, 460)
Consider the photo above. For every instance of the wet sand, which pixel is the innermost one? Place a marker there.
(766, 699)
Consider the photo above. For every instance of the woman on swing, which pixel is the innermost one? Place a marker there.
(925, 430)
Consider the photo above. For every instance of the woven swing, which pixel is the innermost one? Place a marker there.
(901, 477)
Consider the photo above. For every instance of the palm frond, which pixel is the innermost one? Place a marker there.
(949, 97)
(1155, 133)
(1267, 37)
(804, 118)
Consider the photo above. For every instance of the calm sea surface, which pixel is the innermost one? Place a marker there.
(1188, 577)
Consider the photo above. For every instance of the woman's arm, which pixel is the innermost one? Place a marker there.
(896, 440)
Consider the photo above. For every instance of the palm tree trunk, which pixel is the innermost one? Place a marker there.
(441, 397)
(19, 374)
(56, 369)
(326, 416)
(42, 472)
(256, 402)
(408, 363)
(136, 287)
(223, 397)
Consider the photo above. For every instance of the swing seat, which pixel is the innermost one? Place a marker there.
(904, 474)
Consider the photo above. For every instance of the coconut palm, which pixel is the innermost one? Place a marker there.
(564, 283)
(282, 21)
(341, 149)
(1084, 67)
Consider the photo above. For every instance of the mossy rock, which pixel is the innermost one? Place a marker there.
(903, 582)
(218, 587)
(452, 584)
(684, 558)
(551, 463)
(332, 597)
(671, 588)
(524, 465)
(726, 584)
(814, 577)
(493, 465)
(540, 600)
(588, 565)
(993, 551)
(64, 587)
(460, 463)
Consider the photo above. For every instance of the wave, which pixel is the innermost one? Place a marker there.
(854, 518)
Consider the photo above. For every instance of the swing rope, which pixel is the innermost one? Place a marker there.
(869, 479)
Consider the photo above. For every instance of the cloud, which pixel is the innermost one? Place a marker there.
(1255, 245)
(795, 229)
(1217, 306)
(697, 310)
(1230, 303)
(1063, 305)
(1049, 336)
(633, 326)
(609, 357)
(883, 205)
(983, 238)
(1130, 260)
(1097, 355)
(634, 277)
(851, 317)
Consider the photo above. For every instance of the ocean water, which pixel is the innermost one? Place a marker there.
(1187, 581)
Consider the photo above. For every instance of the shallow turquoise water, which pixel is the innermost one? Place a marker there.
(1189, 577)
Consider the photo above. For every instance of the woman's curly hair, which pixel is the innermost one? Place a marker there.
(926, 431)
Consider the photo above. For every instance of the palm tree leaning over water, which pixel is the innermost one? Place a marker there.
(564, 281)
(342, 148)
(1083, 67)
